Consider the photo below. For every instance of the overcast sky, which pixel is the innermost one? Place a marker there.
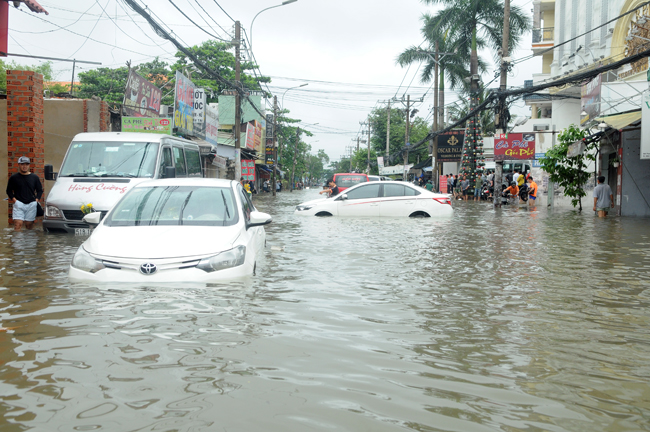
(344, 50)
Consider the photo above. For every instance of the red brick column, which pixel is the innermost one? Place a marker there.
(25, 130)
(104, 117)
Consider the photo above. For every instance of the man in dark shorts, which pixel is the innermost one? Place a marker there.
(603, 197)
(24, 190)
(333, 189)
(532, 188)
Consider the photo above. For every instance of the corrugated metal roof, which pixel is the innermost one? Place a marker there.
(34, 6)
(619, 121)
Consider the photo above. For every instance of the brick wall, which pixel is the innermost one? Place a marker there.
(25, 130)
(104, 118)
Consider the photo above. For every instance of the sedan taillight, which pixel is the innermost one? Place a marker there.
(444, 200)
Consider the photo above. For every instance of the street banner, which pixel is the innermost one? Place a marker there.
(450, 146)
(184, 105)
(645, 126)
(269, 125)
(211, 123)
(199, 106)
(590, 99)
(219, 162)
(141, 98)
(576, 149)
(269, 151)
(147, 125)
(516, 147)
(248, 169)
(380, 162)
(442, 181)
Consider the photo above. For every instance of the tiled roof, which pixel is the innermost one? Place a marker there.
(34, 6)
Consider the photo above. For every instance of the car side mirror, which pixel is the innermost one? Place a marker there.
(258, 219)
(93, 218)
(49, 173)
(344, 197)
(169, 172)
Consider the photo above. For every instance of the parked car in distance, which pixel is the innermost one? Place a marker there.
(346, 180)
(173, 230)
(380, 199)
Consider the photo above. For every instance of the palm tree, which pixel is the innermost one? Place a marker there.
(463, 106)
(479, 24)
(452, 66)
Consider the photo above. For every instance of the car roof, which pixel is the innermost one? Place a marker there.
(125, 136)
(192, 181)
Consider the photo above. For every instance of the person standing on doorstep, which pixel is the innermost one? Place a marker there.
(450, 184)
(24, 190)
(603, 197)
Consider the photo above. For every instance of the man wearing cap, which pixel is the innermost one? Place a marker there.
(24, 189)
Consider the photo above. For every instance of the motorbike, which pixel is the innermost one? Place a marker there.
(486, 191)
(524, 190)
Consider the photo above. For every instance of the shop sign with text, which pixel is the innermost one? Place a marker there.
(184, 105)
(515, 146)
(147, 125)
(248, 169)
(450, 146)
(141, 98)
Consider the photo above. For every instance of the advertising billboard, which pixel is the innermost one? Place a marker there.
(590, 99)
(450, 146)
(147, 125)
(248, 169)
(184, 105)
(211, 123)
(141, 98)
(514, 146)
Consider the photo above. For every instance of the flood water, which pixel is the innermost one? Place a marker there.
(511, 320)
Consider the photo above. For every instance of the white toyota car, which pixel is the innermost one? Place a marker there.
(379, 199)
(173, 230)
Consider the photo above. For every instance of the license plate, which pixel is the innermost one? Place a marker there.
(82, 231)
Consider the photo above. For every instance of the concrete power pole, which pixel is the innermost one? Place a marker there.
(368, 169)
(406, 142)
(237, 128)
(275, 143)
(295, 153)
(387, 136)
(436, 101)
(501, 120)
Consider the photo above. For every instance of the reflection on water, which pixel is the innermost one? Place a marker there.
(508, 320)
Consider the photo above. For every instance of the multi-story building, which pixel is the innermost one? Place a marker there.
(574, 36)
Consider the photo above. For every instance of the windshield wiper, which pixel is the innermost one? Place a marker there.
(180, 216)
(76, 175)
(225, 205)
(117, 175)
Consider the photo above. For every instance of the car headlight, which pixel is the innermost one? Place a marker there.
(52, 212)
(225, 260)
(303, 207)
(84, 261)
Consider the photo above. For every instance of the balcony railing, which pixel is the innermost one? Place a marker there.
(543, 34)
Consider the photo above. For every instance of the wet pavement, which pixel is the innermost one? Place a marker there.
(509, 320)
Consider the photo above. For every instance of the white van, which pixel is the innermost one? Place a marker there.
(99, 168)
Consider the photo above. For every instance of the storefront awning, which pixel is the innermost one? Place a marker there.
(619, 121)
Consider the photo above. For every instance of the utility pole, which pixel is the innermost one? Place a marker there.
(237, 128)
(406, 142)
(387, 136)
(275, 143)
(368, 169)
(502, 115)
(295, 153)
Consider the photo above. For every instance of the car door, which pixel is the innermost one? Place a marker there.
(255, 236)
(398, 200)
(361, 201)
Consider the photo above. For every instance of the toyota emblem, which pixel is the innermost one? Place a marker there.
(148, 268)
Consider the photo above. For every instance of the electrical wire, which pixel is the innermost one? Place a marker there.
(91, 32)
(223, 10)
(198, 26)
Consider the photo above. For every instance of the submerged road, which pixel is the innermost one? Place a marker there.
(518, 319)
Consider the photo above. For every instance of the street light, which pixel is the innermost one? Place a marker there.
(291, 88)
(250, 31)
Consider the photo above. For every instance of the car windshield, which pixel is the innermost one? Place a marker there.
(350, 180)
(175, 205)
(110, 159)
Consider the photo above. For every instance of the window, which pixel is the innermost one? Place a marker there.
(175, 205)
(369, 191)
(247, 204)
(395, 190)
(349, 180)
(165, 161)
(193, 162)
(110, 159)
(179, 161)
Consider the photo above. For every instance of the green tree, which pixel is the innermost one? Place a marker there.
(462, 108)
(570, 172)
(106, 83)
(44, 69)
